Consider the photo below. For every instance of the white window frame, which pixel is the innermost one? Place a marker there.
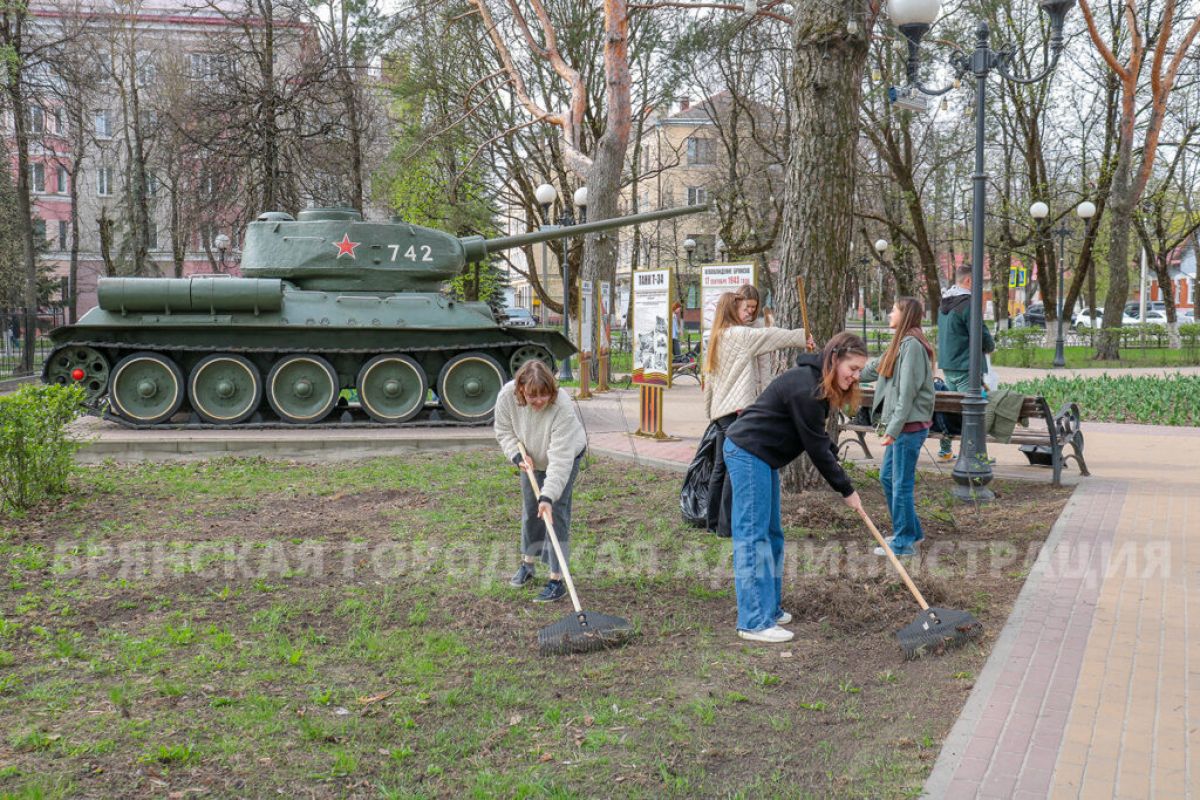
(61, 180)
(104, 179)
(103, 131)
(37, 177)
(697, 195)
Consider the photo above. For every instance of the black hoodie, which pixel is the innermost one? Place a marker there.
(789, 419)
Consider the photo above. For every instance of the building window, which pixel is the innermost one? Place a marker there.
(152, 235)
(37, 120)
(39, 230)
(151, 184)
(62, 234)
(37, 178)
(209, 66)
(59, 126)
(103, 124)
(62, 186)
(699, 151)
(697, 195)
(104, 181)
(147, 70)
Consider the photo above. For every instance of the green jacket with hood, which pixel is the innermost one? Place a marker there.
(954, 331)
(908, 395)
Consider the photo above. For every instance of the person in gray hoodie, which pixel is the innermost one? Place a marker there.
(533, 411)
(954, 340)
(903, 411)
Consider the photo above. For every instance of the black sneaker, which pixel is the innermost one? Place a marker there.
(523, 574)
(554, 590)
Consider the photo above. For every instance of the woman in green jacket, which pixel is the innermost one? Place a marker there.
(903, 411)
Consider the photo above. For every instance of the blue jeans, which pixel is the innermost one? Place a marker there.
(757, 538)
(897, 476)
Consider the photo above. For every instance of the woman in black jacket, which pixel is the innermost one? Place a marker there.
(787, 419)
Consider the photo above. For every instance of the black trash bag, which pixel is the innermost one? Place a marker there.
(946, 422)
(693, 497)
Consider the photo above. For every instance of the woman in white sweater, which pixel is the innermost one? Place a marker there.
(732, 381)
(533, 411)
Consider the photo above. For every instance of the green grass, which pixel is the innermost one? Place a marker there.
(402, 665)
(1085, 358)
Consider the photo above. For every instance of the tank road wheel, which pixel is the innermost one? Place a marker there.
(224, 389)
(468, 385)
(81, 366)
(527, 353)
(302, 388)
(146, 388)
(392, 388)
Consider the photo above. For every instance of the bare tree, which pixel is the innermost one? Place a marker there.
(1154, 53)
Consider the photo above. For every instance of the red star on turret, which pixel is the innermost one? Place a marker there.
(345, 246)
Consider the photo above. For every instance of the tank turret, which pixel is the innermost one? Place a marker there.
(333, 312)
(334, 249)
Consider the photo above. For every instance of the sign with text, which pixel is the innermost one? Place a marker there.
(715, 280)
(651, 327)
(587, 310)
(604, 309)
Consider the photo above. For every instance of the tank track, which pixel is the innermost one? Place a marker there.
(336, 418)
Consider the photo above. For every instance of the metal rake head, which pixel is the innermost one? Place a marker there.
(938, 629)
(583, 633)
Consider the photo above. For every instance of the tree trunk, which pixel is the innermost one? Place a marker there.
(24, 213)
(604, 175)
(1108, 346)
(821, 170)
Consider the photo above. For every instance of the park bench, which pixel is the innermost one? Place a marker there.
(1061, 429)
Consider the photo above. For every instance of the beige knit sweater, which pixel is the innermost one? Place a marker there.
(553, 437)
(735, 384)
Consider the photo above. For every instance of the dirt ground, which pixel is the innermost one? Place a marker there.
(253, 628)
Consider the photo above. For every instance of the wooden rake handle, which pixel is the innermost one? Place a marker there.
(548, 521)
(802, 296)
(912, 587)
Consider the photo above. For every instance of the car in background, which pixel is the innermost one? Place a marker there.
(1034, 316)
(1089, 318)
(519, 318)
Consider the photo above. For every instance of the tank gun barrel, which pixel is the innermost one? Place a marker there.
(477, 247)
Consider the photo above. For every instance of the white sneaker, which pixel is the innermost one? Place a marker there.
(783, 619)
(776, 635)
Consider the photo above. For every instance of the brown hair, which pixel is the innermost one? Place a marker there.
(726, 316)
(747, 291)
(840, 347)
(536, 378)
(911, 312)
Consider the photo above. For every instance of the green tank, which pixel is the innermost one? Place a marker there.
(327, 303)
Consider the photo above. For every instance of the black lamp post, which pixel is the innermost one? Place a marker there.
(221, 242)
(566, 220)
(1040, 211)
(545, 195)
(973, 471)
(865, 262)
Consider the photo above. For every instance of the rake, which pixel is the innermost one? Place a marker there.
(583, 631)
(935, 629)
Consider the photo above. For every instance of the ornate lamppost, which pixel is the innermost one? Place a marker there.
(973, 470)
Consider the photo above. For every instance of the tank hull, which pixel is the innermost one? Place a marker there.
(376, 353)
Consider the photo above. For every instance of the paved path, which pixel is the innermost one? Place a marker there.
(1092, 690)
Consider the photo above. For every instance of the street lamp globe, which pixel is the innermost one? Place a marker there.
(881, 245)
(1086, 209)
(581, 199)
(221, 242)
(545, 194)
(914, 12)
(689, 245)
(1039, 210)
